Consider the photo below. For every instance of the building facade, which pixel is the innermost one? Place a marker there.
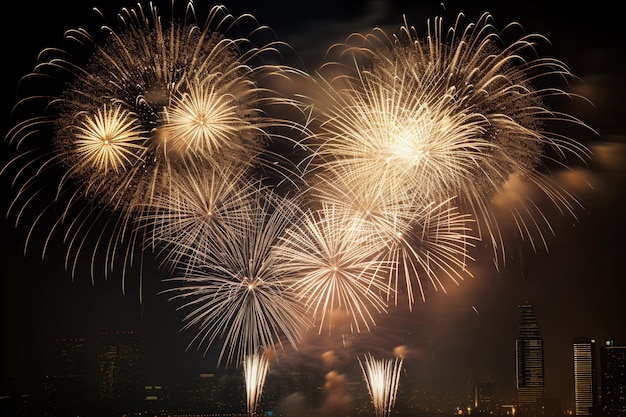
(121, 378)
(613, 379)
(65, 391)
(529, 361)
(585, 379)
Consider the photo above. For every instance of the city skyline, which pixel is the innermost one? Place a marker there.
(110, 374)
(467, 335)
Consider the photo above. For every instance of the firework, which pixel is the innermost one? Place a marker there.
(128, 115)
(433, 249)
(382, 377)
(335, 269)
(423, 241)
(456, 114)
(164, 137)
(255, 368)
(199, 208)
(236, 292)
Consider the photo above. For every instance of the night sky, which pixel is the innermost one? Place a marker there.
(454, 339)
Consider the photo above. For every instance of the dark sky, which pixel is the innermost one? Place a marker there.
(454, 339)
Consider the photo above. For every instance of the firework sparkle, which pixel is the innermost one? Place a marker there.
(162, 136)
(149, 101)
(335, 268)
(382, 377)
(455, 114)
(255, 368)
(236, 291)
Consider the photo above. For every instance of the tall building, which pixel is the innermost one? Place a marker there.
(65, 391)
(121, 376)
(585, 385)
(529, 366)
(71, 356)
(613, 379)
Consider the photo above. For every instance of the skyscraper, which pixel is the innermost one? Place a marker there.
(65, 391)
(613, 379)
(529, 366)
(120, 372)
(71, 356)
(585, 385)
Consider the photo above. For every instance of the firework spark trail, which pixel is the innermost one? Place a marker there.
(382, 377)
(148, 98)
(435, 247)
(237, 292)
(203, 202)
(335, 269)
(255, 368)
(422, 240)
(456, 114)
